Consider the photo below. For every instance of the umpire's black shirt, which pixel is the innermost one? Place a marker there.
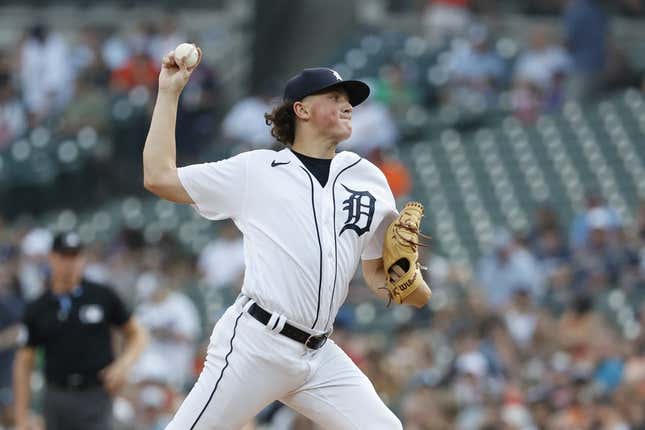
(74, 331)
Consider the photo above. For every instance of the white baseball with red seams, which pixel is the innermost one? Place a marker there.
(302, 244)
(189, 51)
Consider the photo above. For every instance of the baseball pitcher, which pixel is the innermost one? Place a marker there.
(309, 216)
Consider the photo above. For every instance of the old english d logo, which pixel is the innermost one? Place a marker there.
(360, 211)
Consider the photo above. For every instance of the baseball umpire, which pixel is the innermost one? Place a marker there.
(71, 322)
(309, 216)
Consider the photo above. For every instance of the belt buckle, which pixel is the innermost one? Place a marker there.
(316, 342)
(74, 381)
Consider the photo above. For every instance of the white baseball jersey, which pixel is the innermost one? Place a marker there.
(303, 242)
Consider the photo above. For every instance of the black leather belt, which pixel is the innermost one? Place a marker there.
(75, 382)
(313, 342)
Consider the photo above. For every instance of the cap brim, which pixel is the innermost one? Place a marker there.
(357, 91)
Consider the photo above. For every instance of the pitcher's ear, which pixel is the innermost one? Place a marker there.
(301, 110)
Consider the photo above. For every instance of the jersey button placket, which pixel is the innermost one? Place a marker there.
(328, 229)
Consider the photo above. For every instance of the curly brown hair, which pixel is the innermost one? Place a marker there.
(282, 120)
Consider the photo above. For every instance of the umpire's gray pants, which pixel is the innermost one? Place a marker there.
(89, 409)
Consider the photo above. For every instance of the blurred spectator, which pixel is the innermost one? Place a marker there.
(586, 30)
(221, 262)
(244, 126)
(153, 403)
(87, 57)
(538, 75)
(198, 113)
(557, 95)
(46, 74)
(608, 417)
(525, 321)
(397, 174)
(13, 118)
(497, 344)
(619, 72)
(33, 268)
(120, 46)
(446, 18)
(141, 38)
(97, 268)
(167, 38)
(507, 267)
(425, 409)
(515, 415)
(551, 250)
(84, 48)
(602, 259)
(545, 218)
(610, 366)
(559, 289)
(139, 71)
(173, 324)
(582, 334)
(373, 128)
(472, 384)
(475, 71)
(11, 306)
(580, 226)
(394, 89)
(634, 373)
(526, 101)
(541, 61)
(115, 50)
(91, 107)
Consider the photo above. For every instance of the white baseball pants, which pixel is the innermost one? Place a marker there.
(248, 366)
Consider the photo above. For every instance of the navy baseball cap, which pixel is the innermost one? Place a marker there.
(67, 243)
(311, 81)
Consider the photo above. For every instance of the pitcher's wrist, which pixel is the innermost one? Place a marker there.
(168, 94)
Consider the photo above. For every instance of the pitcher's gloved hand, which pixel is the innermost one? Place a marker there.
(401, 253)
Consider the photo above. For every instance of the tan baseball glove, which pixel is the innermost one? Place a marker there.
(400, 248)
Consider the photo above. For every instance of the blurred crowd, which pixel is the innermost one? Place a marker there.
(475, 68)
(467, 67)
(546, 331)
(72, 81)
(532, 73)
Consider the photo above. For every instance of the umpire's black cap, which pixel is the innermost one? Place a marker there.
(311, 81)
(68, 243)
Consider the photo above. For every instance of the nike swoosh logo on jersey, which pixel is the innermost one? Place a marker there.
(275, 163)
